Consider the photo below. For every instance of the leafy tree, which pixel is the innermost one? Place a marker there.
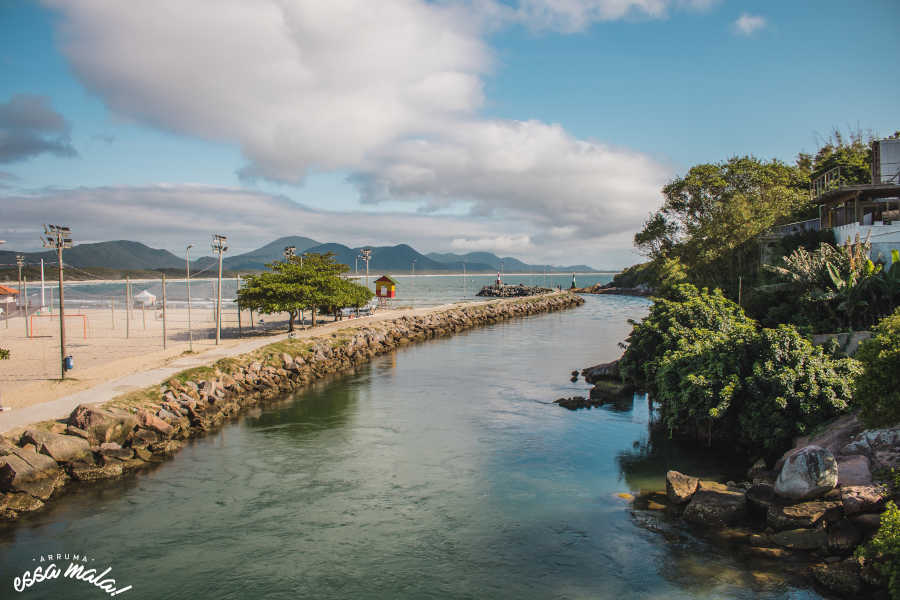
(876, 388)
(297, 285)
(884, 549)
(852, 153)
(687, 315)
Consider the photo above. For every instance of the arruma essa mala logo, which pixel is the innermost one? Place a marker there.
(76, 568)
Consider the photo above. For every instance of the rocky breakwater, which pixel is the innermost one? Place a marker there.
(610, 288)
(511, 291)
(139, 429)
(812, 510)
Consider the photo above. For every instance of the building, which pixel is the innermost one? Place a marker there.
(385, 287)
(869, 210)
(8, 297)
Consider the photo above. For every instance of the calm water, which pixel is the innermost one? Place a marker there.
(418, 290)
(439, 471)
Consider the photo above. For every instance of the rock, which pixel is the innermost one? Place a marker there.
(714, 505)
(166, 447)
(680, 487)
(854, 470)
(764, 552)
(88, 472)
(758, 470)
(868, 522)
(808, 473)
(114, 450)
(11, 504)
(861, 499)
(760, 497)
(287, 360)
(843, 537)
(27, 471)
(101, 424)
(594, 374)
(79, 432)
(144, 454)
(835, 436)
(577, 402)
(150, 421)
(61, 448)
(843, 577)
(803, 515)
(801, 539)
(886, 459)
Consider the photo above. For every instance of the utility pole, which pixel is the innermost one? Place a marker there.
(237, 288)
(164, 310)
(366, 254)
(25, 304)
(127, 307)
(59, 237)
(42, 285)
(219, 246)
(20, 262)
(187, 279)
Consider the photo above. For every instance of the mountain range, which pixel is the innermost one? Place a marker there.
(124, 254)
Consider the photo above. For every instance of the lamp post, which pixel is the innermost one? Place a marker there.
(366, 254)
(187, 279)
(59, 237)
(219, 246)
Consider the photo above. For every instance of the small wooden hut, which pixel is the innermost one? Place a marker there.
(385, 287)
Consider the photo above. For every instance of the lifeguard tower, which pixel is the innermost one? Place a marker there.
(385, 289)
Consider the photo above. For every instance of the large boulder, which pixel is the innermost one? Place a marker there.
(101, 424)
(803, 515)
(801, 539)
(808, 473)
(23, 470)
(858, 499)
(680, 487)
(596, 373)
(716, 505)
(61, 448)
(150, 421)
(854, 470)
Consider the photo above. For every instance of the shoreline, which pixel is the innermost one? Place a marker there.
(145, 426)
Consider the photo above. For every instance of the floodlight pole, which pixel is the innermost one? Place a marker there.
(220, 247)
(187, 278)
(20, 262)
(165, 332)
(366, 254)
(57, 237)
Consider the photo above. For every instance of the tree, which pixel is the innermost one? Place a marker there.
(296, 285)
(852, 153)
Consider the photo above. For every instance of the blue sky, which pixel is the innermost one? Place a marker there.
(528, 130)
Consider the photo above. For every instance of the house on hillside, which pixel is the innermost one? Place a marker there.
(869, 210)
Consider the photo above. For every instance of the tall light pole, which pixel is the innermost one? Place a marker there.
(366, 254)
(219, 246)
(20, 262)
(59, 237)
(187, 279)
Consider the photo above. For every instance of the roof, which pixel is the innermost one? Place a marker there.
(386, 278)
(7, 291)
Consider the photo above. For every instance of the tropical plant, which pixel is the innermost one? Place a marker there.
(752, 388)
(884, 549)
(877, 392)
(686, 315)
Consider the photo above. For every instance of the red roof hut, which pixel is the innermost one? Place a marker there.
(385, 287)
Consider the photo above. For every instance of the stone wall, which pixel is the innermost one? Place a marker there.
(139, 429)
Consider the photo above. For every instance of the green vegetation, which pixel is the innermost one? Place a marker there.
(718, 376)
(4, 354)
(876, 389)
(884, 549)
(302, 284)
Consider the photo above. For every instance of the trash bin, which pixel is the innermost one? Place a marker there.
(69, 363)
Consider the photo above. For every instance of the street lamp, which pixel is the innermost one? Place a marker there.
(59, 237)
(219, 246)
(187, 278)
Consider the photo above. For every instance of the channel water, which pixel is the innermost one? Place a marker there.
(442, 470)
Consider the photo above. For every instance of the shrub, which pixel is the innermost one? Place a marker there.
(877, 390)
(683, 318)
(884, 549)
(4, 354)
(754, 388)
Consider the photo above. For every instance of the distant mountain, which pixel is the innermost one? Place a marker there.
(508, 263)
(119, 254)
(256, 260)
(384, 258)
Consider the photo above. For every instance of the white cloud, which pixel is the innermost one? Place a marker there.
(172, 216)
(389, 91)
(748, 24)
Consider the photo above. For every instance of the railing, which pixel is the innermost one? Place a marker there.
(824, 183)
(796, 227)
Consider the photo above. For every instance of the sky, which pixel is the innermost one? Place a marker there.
(540, 129)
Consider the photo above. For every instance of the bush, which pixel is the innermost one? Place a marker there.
(877, 390)
(753, 388)
(884, 549)
(685, 317)
(4, 354)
